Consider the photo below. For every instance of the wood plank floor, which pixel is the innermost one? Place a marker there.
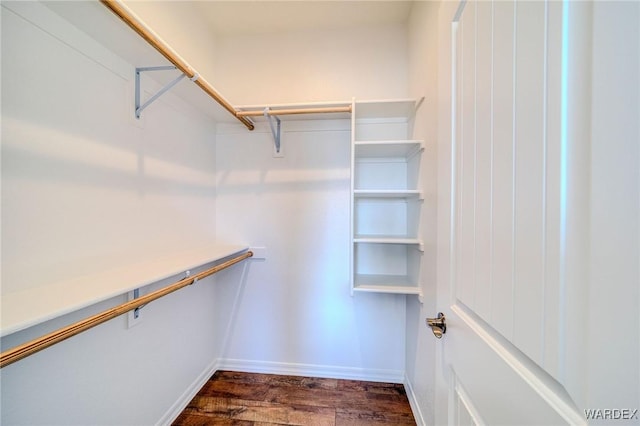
(244, 399)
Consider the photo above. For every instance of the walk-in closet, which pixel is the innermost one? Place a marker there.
(415, 211)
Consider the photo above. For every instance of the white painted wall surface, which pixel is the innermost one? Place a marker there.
(84, 188)
(368, 63)
(294, 313)
(423, 54)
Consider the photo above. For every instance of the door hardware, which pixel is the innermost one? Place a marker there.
(438, 325)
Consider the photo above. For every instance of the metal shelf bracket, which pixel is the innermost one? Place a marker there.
(275, 129)
(136, 311)
(140, 108)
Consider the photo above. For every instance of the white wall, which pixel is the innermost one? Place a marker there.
(295, 314)
(423, 53)
(84, 188)
(368, 63)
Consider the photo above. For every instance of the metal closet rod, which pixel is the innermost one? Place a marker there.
(36, 345)
(165, 50)
(291, 111)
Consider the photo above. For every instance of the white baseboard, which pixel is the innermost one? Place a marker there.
(312, 370)
(174, 411)
(413, 402)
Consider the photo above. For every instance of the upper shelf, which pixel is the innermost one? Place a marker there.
(387, 239)
(101, 25)
(396, 108)
(340, 105)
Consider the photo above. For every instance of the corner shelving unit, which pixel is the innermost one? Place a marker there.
(386, 248)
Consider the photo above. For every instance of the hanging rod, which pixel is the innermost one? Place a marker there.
(124, 13)
(321, 110)
(36, 345)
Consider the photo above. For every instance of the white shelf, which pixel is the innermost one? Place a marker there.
(386, 253)
(386, 239)
(388, 149)
(396, 284)
(388, 193)
(103, 37)
(33, 306)
(397, 108)
(299, 117)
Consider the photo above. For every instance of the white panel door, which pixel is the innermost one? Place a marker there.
(539, 213)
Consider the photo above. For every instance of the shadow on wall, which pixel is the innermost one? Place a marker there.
(230, 288)
(40, 154)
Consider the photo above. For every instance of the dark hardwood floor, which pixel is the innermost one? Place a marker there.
(233, 398)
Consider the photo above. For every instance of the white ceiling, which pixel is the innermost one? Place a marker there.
(229, 18)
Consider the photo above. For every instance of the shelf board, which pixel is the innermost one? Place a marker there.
(396, 284)
(388, 149)
(397, 108)
(386, 239)
(299, 117)
(388, 193)
(96, 28)
(32, 306)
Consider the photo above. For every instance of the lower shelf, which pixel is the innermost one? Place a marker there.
(396, 284)
(32, 306)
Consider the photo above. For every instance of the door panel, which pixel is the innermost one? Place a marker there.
(501, 384)
(464, 288)
(503, 347)
(539, 213)
(502, 223)
(517, 195)
(529, 144)
(483, 175)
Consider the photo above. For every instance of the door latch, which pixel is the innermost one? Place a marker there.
(438, 325)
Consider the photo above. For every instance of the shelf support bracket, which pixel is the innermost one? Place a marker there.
(140, 108)
(136, 311)
(275, 130)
